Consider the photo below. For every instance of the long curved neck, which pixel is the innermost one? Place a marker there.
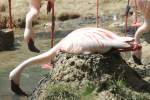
(141, 30)
(40, 59)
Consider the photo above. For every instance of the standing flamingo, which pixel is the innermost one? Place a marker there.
(81, 41)
(144, 7)
(34, 11)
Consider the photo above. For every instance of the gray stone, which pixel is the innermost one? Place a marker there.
(6, 39)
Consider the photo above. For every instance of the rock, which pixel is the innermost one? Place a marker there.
(6, 39)
(87, 73)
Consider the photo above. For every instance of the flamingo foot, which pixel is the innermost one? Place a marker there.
(16, 89)
(137, 60)
(32, 47)
(47, 66)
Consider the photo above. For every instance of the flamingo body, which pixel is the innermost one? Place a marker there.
(81, 41)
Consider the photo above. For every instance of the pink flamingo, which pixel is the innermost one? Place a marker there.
(144, 7)
(81, 41)
(34, 11)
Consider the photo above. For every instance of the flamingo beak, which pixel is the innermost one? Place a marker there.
(137, 60)
(16, 89)
(32, 47)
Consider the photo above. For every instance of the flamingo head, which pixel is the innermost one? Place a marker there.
(137, 53)
(28, 37)
(32, 47)
(16, 89)
(135, 48)
(15, 86)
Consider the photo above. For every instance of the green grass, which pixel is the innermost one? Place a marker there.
(67, 92)
(61, 92)
(118, 87)
(64, 91)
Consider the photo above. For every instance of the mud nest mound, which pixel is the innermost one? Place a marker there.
(90, 77)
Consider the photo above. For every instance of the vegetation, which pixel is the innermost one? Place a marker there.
(118, 88)
(67, 92)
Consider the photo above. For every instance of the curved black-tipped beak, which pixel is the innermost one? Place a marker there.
(16, 89)
(137, 60)
(32, 47)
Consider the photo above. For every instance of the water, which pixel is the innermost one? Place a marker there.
(31, 75)
(30, 79)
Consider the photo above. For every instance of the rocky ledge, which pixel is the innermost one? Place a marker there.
(91, 77)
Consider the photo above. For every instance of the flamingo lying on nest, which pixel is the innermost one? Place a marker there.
(34, 10)
(81, 41)
(144, 7)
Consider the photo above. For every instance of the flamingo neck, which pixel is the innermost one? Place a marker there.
(40, 59)
(16, 73)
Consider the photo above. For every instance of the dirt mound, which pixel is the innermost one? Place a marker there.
(95, 76)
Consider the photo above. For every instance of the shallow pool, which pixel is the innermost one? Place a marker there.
(32, 74)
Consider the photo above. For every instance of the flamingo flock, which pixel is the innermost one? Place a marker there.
(96, 40)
